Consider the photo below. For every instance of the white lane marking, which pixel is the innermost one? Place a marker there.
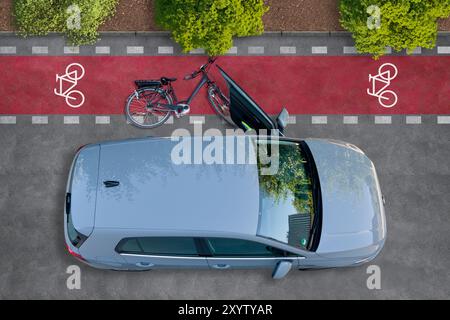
(443, 119)
(102, 50)
(169, 121)
(232, 50)
(165, 50)
(71, 50)
(197, 51)
(288, 50)
(255, 50)
(8, 50)
(413, 119)
(71, 119)
(417, 50)
(7, 120)
(319, 50)
(383, 119)
(388, 50)
(196, 119)
(292, 120)
(350, 120)
(350, 50)
(135, 50)
(39, 119)
(319, 119)
(102, 120)
(39, 50)
(443, 50)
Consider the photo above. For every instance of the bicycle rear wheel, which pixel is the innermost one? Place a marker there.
(220, 103)
(143, 108)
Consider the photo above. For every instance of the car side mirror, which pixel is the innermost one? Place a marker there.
(282, 119)
(281, 269)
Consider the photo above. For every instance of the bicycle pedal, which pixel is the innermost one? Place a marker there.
(183, 110)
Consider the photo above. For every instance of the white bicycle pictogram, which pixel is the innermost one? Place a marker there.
(74, 72)
(386, 73)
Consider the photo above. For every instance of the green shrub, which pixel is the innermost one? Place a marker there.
(404, 24)
(39, 17)
(210, 24)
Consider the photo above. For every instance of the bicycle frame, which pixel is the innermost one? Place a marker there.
(174, 107)
(67, 79)
(374, 80)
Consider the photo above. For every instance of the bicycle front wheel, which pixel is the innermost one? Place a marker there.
(220, 103)
(144, 108)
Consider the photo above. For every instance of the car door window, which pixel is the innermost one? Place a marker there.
(170, 246)
(226, 247)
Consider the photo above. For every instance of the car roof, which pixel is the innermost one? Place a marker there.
(157, 194)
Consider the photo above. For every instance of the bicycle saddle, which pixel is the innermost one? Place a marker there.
(165, 80)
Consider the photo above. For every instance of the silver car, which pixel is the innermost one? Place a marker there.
(130, 206)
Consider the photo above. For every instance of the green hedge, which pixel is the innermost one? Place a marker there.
(39, 17)
(210, 24)
(404, 24)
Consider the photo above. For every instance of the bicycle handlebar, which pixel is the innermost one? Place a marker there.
(202, 68)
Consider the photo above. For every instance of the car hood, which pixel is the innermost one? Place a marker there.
(352, 206)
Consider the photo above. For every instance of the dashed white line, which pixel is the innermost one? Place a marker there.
(288, 50)
(39, 120)
(196, 119)
(232, 50)
(292, 120)
(102, 50)
(383, 119)
(417, 50)
(197, 51)
(255, 50)
(39, 50)
(350, 120)
(319, 50)
(443, 50)
(165, 50)
(7, 120)
(71, 50)
(135, 50)
(443, 119)
(169, 121)
(413, 119)
(350, 50)
(8, 50)
(319, 119)
(102, 119)
(71, 119)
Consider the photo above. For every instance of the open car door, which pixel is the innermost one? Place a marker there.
(246, 114)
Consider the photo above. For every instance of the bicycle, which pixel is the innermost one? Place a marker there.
(154, 101)
(386, 73)
(74, 72)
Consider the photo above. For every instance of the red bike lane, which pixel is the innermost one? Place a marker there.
(304, 85)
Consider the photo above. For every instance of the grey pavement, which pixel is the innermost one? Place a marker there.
(160, 43)
(414, 170)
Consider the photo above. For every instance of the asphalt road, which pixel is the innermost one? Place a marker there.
(414, 170)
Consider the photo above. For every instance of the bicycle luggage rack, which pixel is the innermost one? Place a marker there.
(148, 83)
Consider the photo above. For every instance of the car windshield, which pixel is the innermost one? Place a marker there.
(287, 207)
